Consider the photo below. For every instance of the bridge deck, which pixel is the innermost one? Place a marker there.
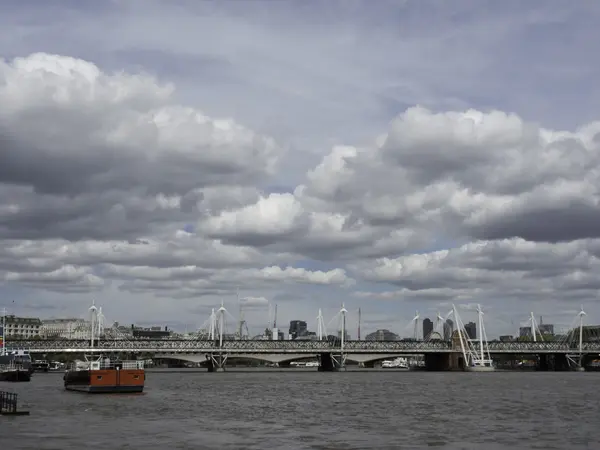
(274, 347)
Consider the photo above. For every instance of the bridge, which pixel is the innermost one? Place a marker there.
(241, 347)
(574, 349)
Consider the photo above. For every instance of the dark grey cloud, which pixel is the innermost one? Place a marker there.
(97, 161)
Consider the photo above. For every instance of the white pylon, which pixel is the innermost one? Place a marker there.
(581, 314)
(221, 312)
(93, 316)
(416, 326)
(213, 324)
(343, 312)
(320, 326)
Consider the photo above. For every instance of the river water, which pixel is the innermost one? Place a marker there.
(300, 409)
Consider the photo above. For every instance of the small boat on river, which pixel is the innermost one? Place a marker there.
(104, 375)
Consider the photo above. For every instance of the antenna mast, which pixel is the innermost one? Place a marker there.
(241, 321)
(2, 340)
(359, 324)
(93, 324)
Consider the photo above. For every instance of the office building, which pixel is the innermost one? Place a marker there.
(22, 327)
(381, 335)
(427, 328)
(297, 328)
(471, 329)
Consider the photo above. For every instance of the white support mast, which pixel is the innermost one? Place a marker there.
(475, 361)
(481, 331)
(93, 311)
(416, 328)
(221, 312)
(576, 359)
(460, 335)
(535, 329)
(343, 312)
(320, 326)
(581, 315)
(100, 323)
(211, 330)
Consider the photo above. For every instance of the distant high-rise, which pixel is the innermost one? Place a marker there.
(471, 329)
(525, 332)
(298, 328)
(427, 328)
(382, 335)
(346, 335)
(448, 329)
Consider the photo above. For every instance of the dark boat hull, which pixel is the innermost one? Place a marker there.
(15, 376)
(40, 367)
(105, 389)
(105, 381)
(22, 360)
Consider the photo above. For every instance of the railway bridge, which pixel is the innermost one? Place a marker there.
(438, 355)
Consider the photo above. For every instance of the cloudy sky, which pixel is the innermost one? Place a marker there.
(160, 157)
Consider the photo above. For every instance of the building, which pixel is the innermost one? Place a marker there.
(471, 329)
(591, 333)
(546, 328)
(22, 327)
(427, 328)
(69, 328)
(297, 328)
(382, 335)
(448, 329)
(308, 336)
(525, 332)
(150, 332)
(506, 338)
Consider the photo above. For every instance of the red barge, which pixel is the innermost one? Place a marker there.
(99, 374)
(105, 376)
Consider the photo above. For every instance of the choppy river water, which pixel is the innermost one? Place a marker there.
(300, 409)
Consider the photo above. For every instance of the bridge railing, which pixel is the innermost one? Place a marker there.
(300, 346)
(72, 345)
(526, 346)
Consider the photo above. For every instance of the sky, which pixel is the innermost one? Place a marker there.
(161, 157)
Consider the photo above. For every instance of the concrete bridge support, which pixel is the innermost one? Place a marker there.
(329, 362)
(444, 361)
(560, 362)
(556, 362)
(216, 362)
(209, 363)
(543, 363)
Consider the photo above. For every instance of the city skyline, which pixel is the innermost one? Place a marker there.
(442, 325)
(394, 156)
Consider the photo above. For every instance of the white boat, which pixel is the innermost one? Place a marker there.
(398, 363)
(481, 368)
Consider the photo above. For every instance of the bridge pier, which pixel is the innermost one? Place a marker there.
(328, 362)
(216, 362)
(561, 362)
(441, 361)
(552, 362)
(577, 362)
